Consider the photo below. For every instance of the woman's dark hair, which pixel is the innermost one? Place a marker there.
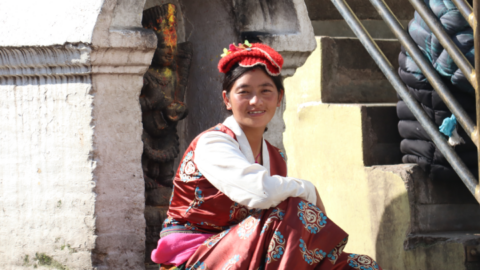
(237, 71)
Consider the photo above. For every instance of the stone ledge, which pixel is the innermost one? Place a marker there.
(72, 60)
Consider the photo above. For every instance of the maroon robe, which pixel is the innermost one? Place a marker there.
(293, 235)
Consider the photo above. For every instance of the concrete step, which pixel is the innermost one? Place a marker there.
(339, 28)
(424, 225)
(368, 132)
(346, 73)
(470, 241)
(327, 21)
(322, 10)
(441, 205)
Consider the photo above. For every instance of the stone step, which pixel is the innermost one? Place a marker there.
(339, 28)
(441, 205)
(424, 228)
(368, 132)
(322, 10)
(346, 73)
(469, 240)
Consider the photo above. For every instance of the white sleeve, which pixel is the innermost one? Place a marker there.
(219, 159)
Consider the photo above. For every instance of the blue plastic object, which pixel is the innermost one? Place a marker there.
(448, 125)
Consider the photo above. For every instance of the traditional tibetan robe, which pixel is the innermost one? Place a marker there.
(258, 218)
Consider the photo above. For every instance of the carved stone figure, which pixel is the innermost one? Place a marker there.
(162, 96)
(162, 106)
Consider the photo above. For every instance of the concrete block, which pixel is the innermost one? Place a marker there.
(339, 28)
(440, 191)
(349, 74)
(325, 10)
(447, 217)
(381, 141)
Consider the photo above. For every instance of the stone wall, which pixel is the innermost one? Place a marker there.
(46, 164)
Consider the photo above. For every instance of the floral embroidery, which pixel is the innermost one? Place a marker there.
(276, 214)
(212, 241)
(238, 212)
(198, 266)
(362, 262)
(282, 154)
(231, 262)
(337, 251)
(233, 48)
(312, 218)
(255, 212)
(190, 226)
(311, 256)
(276, 248)
(197, 201)
(170, 222)
(188, 170)
(247, 226)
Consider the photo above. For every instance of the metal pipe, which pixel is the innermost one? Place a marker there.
(466, 11)
(425, 66)
(447, 43)
(476, 39)
(402, 90)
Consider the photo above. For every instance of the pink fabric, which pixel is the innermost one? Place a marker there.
(176, 248)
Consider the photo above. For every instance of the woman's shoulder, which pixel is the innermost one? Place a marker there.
(217, 130)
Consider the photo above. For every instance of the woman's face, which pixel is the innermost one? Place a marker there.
(253, 99)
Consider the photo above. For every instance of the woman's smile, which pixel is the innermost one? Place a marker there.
(253, 99)
(257, 113)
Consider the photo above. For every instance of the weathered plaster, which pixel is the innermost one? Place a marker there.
(45, 181)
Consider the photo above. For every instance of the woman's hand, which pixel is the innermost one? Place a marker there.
(320, 203)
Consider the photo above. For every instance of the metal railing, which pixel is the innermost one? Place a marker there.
(433, 77)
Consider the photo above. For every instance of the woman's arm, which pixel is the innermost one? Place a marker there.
(219, 159)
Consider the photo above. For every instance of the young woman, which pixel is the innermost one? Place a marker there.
(233, 206)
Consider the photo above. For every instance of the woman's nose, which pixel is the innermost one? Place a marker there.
(255, 100)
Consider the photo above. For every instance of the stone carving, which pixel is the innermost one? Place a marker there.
(162, 96)
(162, 106)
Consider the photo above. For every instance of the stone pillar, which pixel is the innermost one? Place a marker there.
(71, 182)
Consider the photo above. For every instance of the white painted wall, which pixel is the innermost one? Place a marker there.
(46, 182)
(43, 23)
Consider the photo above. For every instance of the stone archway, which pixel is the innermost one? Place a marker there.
(71, 183)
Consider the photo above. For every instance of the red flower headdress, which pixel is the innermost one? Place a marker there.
(249, 55)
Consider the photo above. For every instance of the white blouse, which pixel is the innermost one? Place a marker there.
(230, 167)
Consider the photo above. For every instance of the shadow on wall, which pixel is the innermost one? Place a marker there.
(392, 233)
